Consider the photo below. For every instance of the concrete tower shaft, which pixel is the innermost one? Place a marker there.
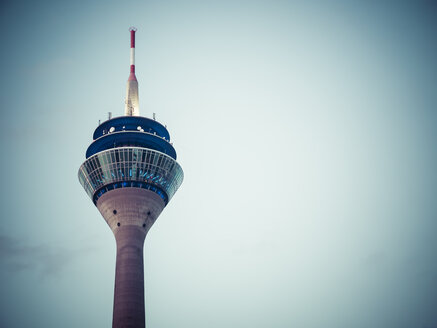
(129, 213)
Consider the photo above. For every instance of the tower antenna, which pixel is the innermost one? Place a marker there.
(132, 106)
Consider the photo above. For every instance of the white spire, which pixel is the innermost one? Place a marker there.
(132, 104)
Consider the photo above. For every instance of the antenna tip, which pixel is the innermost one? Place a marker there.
(132, 28)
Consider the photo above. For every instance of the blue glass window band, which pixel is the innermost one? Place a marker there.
(130, 184)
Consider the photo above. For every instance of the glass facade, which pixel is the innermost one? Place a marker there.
(138, 167)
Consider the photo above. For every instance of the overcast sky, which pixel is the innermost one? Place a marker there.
(307, 132)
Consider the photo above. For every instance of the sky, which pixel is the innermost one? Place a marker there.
(307, 134)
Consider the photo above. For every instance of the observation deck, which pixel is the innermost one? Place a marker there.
(131, 131)
(131, 152)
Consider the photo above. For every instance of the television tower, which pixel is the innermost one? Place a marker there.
(130, 173)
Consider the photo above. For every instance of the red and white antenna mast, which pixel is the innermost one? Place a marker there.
(132, 106)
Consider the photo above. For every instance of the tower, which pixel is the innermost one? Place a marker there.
(130, 173)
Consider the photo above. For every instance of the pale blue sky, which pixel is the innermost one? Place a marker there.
(307, 133)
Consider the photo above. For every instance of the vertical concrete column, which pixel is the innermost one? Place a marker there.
(129, 278)
(129, 212)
